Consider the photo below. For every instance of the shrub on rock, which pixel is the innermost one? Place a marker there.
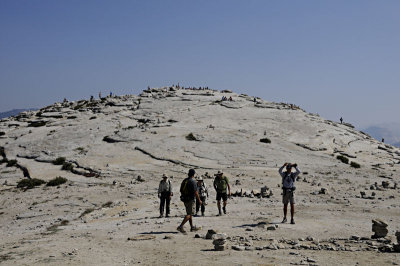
(343, 159)
(11, 163)
(56, 181)
(30, 183)
(355, 165)
(265, 140)
(59, 161)
(67, 166)
(191, 137)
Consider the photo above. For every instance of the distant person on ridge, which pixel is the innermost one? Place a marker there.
(341, 120)
(165, 194)
(288, 179)
(189, 193)
(221, 183)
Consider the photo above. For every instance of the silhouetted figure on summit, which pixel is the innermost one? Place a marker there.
(341, 120)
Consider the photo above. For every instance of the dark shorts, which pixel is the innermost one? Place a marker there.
(190, 207)
(223, 195)
(287, 197)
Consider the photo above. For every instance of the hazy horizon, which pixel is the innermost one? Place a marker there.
(337, 59)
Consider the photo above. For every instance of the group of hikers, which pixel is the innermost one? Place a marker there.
(224, 98)
(194, 194)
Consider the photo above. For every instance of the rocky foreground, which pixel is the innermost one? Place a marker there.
(112, 152)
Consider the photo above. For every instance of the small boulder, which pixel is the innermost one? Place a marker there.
(210, 233)
(323, 191)
(379, 227)
(238, 248)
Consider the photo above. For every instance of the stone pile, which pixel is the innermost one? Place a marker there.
(210, 233)
(219, 241)
(264, 192)
(379, 227)
(365, 196)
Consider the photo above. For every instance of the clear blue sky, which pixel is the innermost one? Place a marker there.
(336, 58)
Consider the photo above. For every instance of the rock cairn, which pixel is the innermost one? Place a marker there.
(219, 241)
(264, 192)
(210, 234)
(379, 227)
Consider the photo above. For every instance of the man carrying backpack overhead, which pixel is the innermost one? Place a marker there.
(288, 179)
(221, 183)
(189, 194)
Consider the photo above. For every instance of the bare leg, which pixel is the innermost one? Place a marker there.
(291, 210)
(187, 218)
(219, 206)
(191, 221)
(284, 210)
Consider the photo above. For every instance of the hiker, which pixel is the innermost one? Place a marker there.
(165, 194)
(189, 193)
(341, 120)
(221, 183)
(288, 179)
(203, 193)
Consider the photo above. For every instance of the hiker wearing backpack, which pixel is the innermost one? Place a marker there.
(288, 179)
(221, 183)
(203, 193)
(165, 194)
(189, 193)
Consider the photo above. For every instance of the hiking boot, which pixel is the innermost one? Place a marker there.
(161, 215)
(219, 214)
(180, 229)
(292, 221)
(202, 214)
(196, 215)
(284, 220)
(167, 215)
(224, 209)
(195, 228)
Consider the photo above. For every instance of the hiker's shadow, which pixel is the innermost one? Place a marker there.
(158, 233)
(208, 250)
(246, 225)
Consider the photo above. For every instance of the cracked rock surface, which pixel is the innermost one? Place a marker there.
(114, 151)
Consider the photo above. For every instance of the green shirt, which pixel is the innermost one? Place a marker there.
(221, 184)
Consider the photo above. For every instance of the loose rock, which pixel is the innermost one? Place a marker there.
(379, 227)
